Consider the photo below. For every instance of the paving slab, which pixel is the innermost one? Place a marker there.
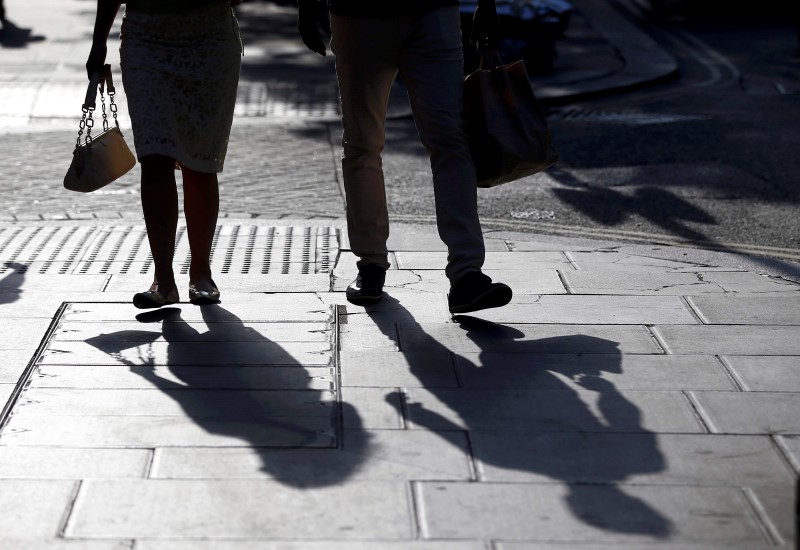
(747, 310)
(590, 260)
(74, 285)
(5, 392)
(586, 513)
(513, 545)
(363, 455)
(252, 283)
(367, 336)
(22, 334)
(393, 370)
(29, 305)
(494, 260)
(528, 411)
(201, 509)
(791, 445)
(473, 335)
(600, 310)
(730, 339)
(640, 459)
(12, 363)
(577, 371)
(372, 409)
(73, 463)
(33, 509)
(779, 507)
(176, 331)
(97, 377)
(749, 412)
(61, 544)
(673, 284)
(310, 545)
(246, 308)
(770, 374)
(165, 431)
(100, 351)
(244, 404)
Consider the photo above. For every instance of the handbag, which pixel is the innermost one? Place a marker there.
(506, 128)
(100, 159)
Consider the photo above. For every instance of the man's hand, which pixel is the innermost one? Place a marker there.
(484, 26)
(313, 17)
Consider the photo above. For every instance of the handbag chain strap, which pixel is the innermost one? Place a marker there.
(102, 80)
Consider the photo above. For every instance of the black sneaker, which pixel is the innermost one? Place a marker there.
(368, 286)
(475, 291)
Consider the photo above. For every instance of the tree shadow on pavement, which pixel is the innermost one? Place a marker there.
(233, 382)
(11, 284)
(554, 433)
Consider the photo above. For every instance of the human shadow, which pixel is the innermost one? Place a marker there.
(544, 407)
(12, 36)
(11, 284)
(238, 385)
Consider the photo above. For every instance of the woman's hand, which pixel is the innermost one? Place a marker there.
(97, 58)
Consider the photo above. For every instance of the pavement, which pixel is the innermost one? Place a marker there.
(628, 397)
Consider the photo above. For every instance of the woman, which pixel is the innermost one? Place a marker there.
(180, 63)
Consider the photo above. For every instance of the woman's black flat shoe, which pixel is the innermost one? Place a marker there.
(203, 297)
(153, 298)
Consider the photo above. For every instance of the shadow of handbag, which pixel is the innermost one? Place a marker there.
(507, 130)
(103, 158)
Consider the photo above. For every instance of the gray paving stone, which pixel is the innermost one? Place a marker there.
(589, 513)
(791, 445)
(265, 509)
(730, 340)
(749, 412)
(61, 544)
(72, 463)
(494, 260)
(364, 455)
(186, 353)
(605, 410)
(610, 259)
(562, 371)
(779, 505)
(161, 431)
(673, 284)
(182, 332)
(33, 509)
(747, 310)
(219, 404)
(12, 363)
(422, 306)
(371, 409)
(250, 308)
(472, 335)
(209, 378)
(601, 310)
(73, 284)
(366, 336)
(775, 373)
(22, 334)
(29, 305)
(511, 545)
(310, 545)
(392, 370)
(5, 392)
(641, 459)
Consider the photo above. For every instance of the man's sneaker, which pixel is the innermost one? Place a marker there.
(368, 286)
(475, 291)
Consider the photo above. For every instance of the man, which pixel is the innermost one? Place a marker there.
(374, 40)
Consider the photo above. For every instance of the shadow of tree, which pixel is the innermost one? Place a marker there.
(245, 387)
(554, 432)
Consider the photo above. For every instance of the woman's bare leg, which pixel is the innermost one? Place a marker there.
(201, 206)
(160, 208)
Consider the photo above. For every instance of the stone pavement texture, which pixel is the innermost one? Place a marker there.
(622, 400)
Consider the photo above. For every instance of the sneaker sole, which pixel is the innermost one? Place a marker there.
(496, 297)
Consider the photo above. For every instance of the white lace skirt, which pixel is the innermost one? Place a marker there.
(180, 73)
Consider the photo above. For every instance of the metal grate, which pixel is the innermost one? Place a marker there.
(236, 248)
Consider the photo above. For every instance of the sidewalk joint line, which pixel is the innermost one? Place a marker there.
(761, 517)
(737, 382)
(64, 524)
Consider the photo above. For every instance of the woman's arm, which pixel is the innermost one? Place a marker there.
(106, 13)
